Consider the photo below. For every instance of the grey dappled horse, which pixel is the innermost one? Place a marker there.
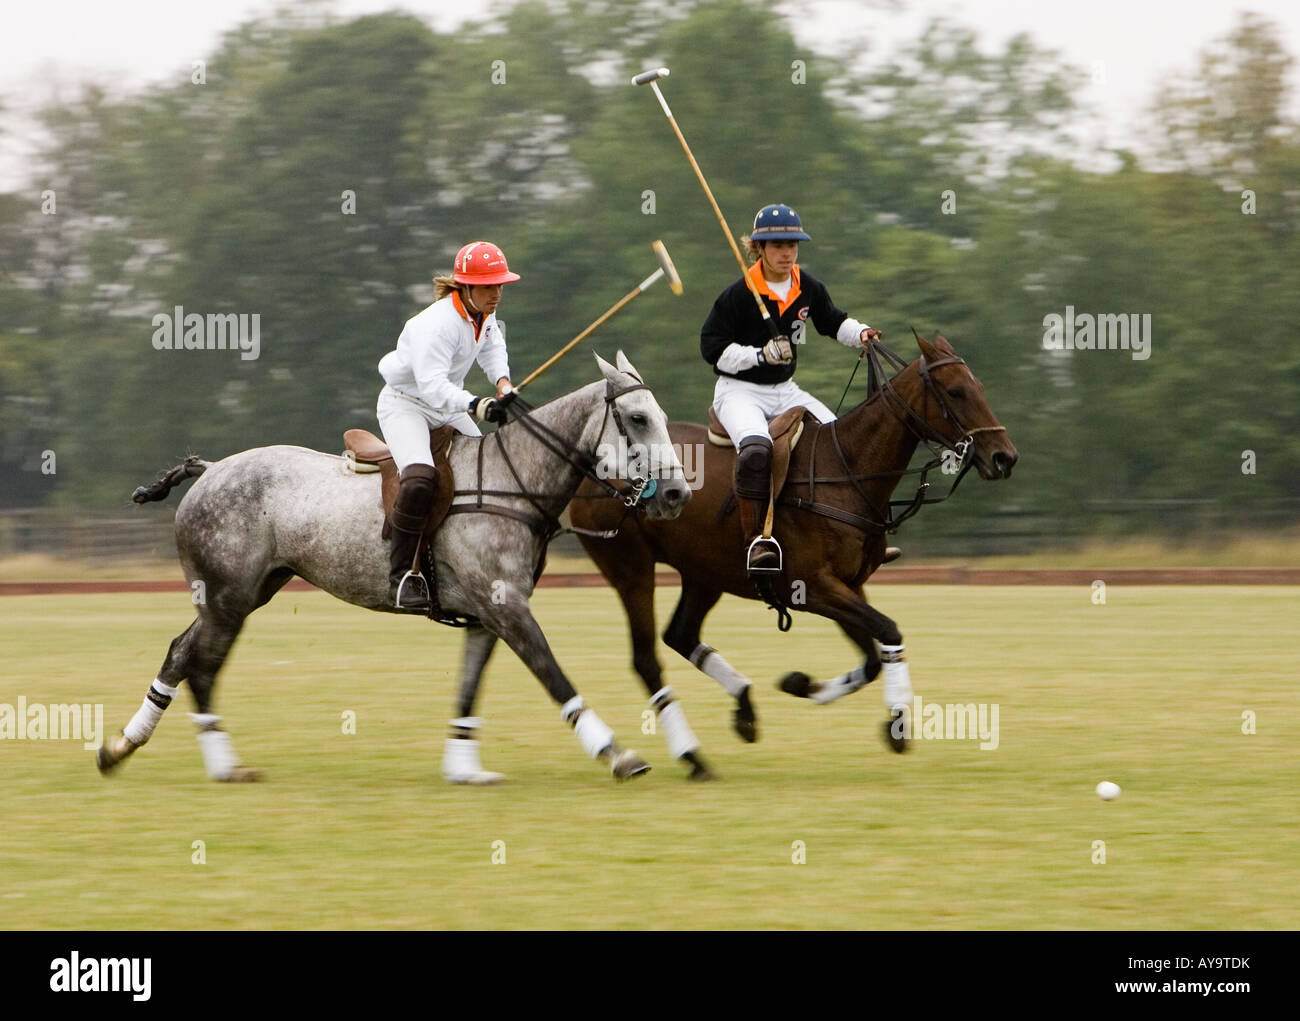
(257, 518)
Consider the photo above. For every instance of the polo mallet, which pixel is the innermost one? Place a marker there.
(651, 78)
(666, 269)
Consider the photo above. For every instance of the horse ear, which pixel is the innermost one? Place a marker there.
(941, 342)
(625, 365)
(927, 349)
(606, 370)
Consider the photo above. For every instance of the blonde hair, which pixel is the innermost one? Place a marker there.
(443, 285)
(753, 249)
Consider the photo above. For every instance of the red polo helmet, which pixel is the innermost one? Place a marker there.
(483, 263)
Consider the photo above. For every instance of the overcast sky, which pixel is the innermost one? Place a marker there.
(49, 46)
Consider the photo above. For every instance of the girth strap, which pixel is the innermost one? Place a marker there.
(543, 529)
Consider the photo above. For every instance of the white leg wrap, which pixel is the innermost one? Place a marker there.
(461, 757)
(142, 724)
(460, 763)
(838, 687)
(898, 680)
(571, 708)
(708, 662)
(219, 756)
(681, 739)
(592, 732)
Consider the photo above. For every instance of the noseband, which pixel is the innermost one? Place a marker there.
(642, 488)
(903, 410)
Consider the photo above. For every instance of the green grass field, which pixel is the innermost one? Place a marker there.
(359, 831)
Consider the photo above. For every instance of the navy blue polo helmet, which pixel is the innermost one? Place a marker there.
(778, 223)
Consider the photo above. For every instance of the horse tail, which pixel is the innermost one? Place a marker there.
(191, 467)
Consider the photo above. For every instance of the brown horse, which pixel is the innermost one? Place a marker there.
(831, 521)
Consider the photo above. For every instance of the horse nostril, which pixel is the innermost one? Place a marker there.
(1003, 463)
(674, 495)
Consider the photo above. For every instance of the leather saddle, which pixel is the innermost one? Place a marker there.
(368, 449)
(786, 430)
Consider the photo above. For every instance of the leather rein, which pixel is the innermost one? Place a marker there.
(923, 432)
(545, 524)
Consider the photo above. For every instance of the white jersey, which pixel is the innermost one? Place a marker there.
(435, 351)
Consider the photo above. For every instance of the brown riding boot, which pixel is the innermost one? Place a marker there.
(753, 491)
(407, 589)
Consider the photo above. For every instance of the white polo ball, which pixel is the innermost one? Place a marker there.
(1107, 791)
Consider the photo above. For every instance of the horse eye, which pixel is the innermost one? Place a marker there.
(956, 393)
(639, 419)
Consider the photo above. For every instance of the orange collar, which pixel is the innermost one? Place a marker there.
(760, 282)
(460, 308)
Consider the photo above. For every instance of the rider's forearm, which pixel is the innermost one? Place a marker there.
(850, 332)
(737, 358)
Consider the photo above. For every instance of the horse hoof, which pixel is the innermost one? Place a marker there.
(243, 774)
(112, 753)
(745, 720)
(894, 735)
(627, 764)
(478, 778)
(700, 771)
(797, 684)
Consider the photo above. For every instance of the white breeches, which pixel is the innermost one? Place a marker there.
(745, 408)
(406, 422)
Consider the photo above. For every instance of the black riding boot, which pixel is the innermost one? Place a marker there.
(754, 490)
(410, 512)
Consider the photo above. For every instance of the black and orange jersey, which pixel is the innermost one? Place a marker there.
(734, 319)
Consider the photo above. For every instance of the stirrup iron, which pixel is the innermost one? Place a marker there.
(418, 587)
(767, 542)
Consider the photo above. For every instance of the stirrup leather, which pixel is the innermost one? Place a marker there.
(759, 543)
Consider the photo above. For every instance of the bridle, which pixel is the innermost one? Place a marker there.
(926, 433)
(641, 488)
(545, 524)
(880, 384)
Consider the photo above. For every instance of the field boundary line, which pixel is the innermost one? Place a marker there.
(938, 575)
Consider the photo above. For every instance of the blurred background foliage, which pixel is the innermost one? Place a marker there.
(228, 196)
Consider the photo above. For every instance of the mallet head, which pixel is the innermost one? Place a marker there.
(666, 264)
(646, 77)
